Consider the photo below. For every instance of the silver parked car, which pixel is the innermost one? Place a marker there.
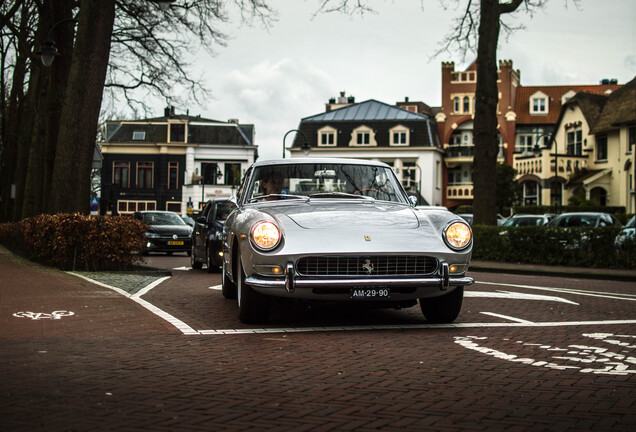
(340, 230)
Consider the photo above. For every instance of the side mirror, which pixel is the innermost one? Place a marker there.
(233, 202)
(202, 220)
(413, 200)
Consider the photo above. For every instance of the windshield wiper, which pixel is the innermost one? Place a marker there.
(339, 195)
(279, 196)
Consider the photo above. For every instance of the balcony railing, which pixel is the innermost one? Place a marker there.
(459, 191)
(465, 151)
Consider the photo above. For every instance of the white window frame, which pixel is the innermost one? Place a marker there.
(539, 103)
(327, 131)
(139, 135)
(403, 132)
(364, 130)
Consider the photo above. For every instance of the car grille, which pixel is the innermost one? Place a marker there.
(400, 265)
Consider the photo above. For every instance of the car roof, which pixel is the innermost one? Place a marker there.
(342, 161)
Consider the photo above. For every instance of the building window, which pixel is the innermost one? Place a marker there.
(530, 193)
(456, 105)
(210, 173)
(173, 175)
(575, 143)
(556, 193)
(139, 135)
(177, 132)
(173, 206)
(129, 207)
(466, 104)
(399, 138)
(539, 106)
(631, 139)
(525, 144)
(362, 138)
(144, 175)
(232, 174)
(601, 148)
(121, 175)
(327, 139)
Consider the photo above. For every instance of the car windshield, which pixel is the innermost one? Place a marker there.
(163, 219)
(631, 223)
(577, 221)
(524, 221)
(324, 181)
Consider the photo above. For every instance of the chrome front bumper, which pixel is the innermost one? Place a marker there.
(295, 286)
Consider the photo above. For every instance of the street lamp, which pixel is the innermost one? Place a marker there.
(48, 51)
(305, 147)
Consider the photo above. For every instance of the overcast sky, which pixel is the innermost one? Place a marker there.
(273, 78)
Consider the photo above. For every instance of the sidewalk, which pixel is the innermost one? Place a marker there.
(35, 292)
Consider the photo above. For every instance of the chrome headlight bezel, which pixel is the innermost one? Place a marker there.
(265, 235)
(451, 243)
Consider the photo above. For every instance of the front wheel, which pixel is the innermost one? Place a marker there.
(443, 309)
(253, 306)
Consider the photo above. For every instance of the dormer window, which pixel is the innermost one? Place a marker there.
(567, 96)
(399, 136)
(177, 132)
(327, 137)
(539, 103)
(363, 136)
(139, 135)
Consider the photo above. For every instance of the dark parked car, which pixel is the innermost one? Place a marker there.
(584, 219)
(527, 220)
(627, 234)
(167, 232)
(207, 242)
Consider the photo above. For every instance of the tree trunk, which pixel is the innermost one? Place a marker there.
(485, 124)
(11, 138)
(70, 186)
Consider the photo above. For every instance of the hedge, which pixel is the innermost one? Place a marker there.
(74, 241)
(576, 247)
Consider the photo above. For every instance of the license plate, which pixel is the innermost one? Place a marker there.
(370, 293)
(175, 243)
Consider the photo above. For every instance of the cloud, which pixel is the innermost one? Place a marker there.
(274, 96)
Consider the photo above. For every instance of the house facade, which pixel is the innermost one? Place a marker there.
(589, 154)
(403, 137)
(455, 122)
(174, 162)
(538, 110)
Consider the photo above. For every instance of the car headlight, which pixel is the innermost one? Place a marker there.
(458, 235)
(152, 235)
(265, 235)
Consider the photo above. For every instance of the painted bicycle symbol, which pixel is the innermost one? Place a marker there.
(41, 315)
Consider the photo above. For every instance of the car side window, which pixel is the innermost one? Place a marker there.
(241, 189)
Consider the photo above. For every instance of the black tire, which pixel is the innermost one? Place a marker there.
(253, 307)
(443, 309)
(196, 265)
(210, 261)
(228, 288)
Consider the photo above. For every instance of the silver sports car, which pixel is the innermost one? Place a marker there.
(340, 230)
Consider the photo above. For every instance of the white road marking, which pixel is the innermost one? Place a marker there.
(55, 315)
(516, 296)
(615, 296)
(586, 359)
(184, 268)
(411, 327)
(509, 318)
(216, 287)
(180, 325)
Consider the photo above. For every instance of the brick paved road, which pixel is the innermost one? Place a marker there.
(115, 366)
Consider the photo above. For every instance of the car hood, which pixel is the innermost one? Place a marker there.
(344, 215)
(180, 230)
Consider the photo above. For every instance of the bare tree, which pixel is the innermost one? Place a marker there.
(46, 164)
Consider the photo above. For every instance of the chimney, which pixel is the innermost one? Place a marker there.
(166, 112)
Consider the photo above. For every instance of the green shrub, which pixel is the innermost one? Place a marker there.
(74, 241)
(578, 247)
